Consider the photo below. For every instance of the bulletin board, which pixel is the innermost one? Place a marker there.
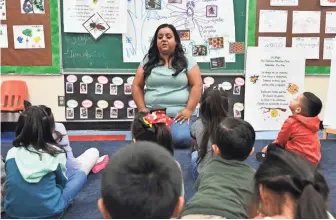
(81, 53)
(34, 56)
(75, 100)
(313, 66)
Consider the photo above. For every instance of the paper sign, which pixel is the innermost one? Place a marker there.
(284, 2)
(310, 46)
(306, 22)
(328, 3)
(272, 42)
(3, 36)
(28, 36)
(330, 22)
(328, 48)
(3, 12)
(280, 73)
(76, 12)
(273, 21)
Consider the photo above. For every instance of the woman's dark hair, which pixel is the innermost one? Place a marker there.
(158, 133)
(35, 128)
(214, 108)
(287, 172)
(179, 62)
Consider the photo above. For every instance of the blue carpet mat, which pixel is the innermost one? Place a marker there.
(85, 204)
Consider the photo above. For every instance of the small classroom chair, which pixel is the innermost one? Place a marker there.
(13, 95)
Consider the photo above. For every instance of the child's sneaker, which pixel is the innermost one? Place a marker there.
(100, 164)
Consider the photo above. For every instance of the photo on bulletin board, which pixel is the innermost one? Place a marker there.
(311, 28)
(30, 38)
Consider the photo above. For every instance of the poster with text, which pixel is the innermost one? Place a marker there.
(329, 119)
(198, 23)
(76, 12)
(280, 78)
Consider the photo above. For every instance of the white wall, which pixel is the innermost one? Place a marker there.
(41, 90)
(45, 89)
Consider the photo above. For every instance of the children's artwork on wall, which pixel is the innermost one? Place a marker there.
(3, 36)
(28, 37)
(96, 26)
(32, 6)
(3, 12)
(237, 47)
(184, 34)
(328, 3)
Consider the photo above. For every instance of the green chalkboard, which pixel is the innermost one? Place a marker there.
(81, 53)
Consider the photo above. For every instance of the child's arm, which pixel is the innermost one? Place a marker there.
(284, 134)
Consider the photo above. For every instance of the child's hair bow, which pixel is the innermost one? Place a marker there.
(156, 117)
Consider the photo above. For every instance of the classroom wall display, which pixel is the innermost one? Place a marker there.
(30, 37)
(307, 25)
(206, 27)
(329, 119)
(108, 97)
(77, 13)
(114, 53)
(274, 77)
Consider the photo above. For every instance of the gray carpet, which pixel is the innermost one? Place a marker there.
(85, 205)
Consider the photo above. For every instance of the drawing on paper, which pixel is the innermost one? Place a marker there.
(254, 79)
(32, 7)
(211, 10)
(273, 113)
(96, 26)
(28, 36)
(190, 19)
(3, 13)
(187, 17)
(293, 88)
(153, 4)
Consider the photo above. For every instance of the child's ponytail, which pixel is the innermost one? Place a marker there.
(311, 204)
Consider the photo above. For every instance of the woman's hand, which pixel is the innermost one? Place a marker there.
(183, 115)
(145, 110)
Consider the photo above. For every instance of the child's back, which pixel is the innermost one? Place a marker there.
(225, 185)
(35, 182)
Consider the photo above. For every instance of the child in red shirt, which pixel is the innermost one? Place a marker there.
(299, 131)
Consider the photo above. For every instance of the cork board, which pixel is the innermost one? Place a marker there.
(32, 61)
(313, 66)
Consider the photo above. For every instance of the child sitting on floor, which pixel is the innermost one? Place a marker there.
(141, 181)
(224, 187)
(87, 161)
(36, 183)
(214, 108)
(154, 127)
(299, 133)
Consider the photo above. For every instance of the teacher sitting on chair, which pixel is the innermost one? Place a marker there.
(172, 81)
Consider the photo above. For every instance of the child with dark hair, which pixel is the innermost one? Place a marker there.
(299, 133)
(141, 181)
(36, 183)
(287, 186)
(154, 127)
(214, 107)
(224, 187)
